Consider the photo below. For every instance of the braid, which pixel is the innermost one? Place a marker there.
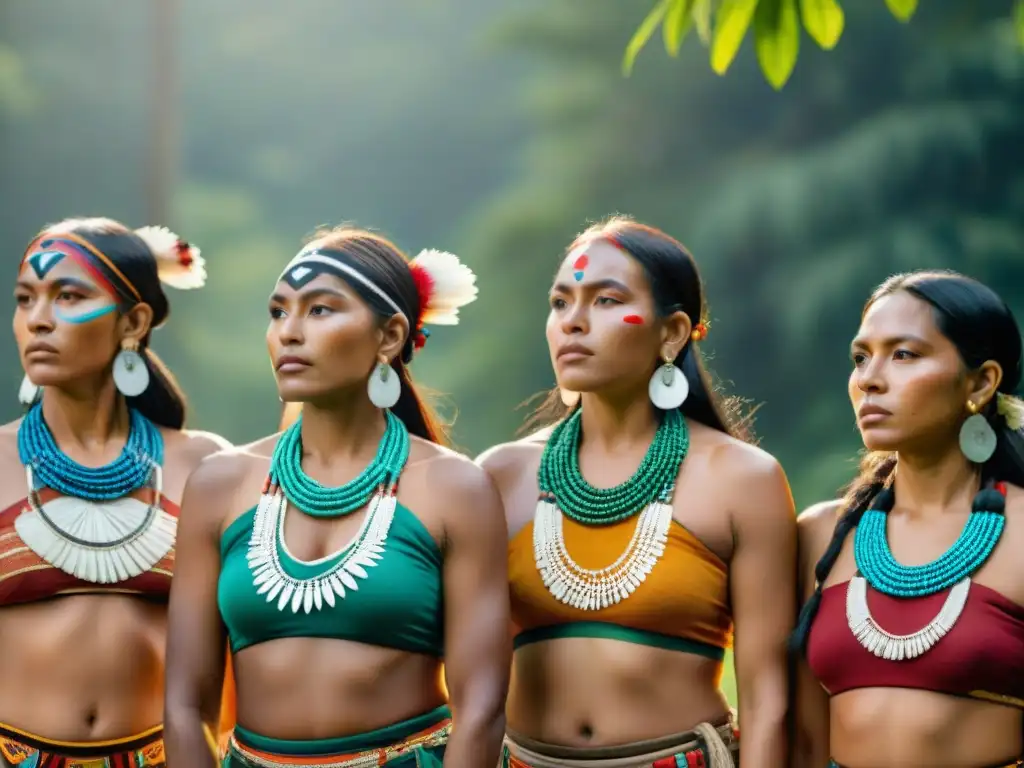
(875, 472)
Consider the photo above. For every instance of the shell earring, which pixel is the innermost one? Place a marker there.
(384, 386)
(131, 376)
(977, 438)
(668, 388)
(28, 392)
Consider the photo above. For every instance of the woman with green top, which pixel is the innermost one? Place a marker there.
(373, 556)
(643, 530)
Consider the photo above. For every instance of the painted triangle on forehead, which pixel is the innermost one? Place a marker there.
(301, 274)
(43, 261)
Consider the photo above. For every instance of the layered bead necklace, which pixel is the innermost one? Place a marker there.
(564, 491)
(953, 569)
(95, 530)
(374, 488)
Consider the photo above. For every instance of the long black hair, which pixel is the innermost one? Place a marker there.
(675, 284)
(163, 402)
(381, 261)
(981, 327)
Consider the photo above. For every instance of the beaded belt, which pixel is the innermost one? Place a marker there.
(433, 737)
(707, 746)
(25, 750)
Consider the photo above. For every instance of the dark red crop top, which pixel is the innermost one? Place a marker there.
(982, 656)
(25, 577)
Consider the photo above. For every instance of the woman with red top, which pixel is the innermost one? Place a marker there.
(914, 627)
(89, 481)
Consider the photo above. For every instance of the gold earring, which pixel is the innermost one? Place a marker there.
(972, 407)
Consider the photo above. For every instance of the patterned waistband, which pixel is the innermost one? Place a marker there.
(1014, 764)
(432, 737)
(706, 746)
(25, 750)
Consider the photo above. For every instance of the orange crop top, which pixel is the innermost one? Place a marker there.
(26, 577)
(683, 604)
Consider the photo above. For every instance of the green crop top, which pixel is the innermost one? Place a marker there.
(399, 604)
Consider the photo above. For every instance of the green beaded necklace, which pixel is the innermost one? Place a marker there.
(560, 477)
(307, 495)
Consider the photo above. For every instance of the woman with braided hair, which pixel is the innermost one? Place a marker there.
(913, 628)
(352, 563)
(644, 531)
(90, 482)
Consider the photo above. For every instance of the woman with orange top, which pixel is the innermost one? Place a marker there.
(643, 529)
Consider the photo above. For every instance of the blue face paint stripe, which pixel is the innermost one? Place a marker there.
(86, 316)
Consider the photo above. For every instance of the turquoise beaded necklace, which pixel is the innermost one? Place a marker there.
(970, 551)
(309, 496)
(51, 467)
(560, 477)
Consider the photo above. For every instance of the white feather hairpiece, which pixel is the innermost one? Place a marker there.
(444, 284)
(178, 264)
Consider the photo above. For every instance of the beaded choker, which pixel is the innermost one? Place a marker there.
(565, 491)
(318, 500)
(51, 467)
(560, 478)
(953, 569)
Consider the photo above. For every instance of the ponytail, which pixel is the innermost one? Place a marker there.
(707, 406)
(875, 472)
(412, 409)
(163, 401)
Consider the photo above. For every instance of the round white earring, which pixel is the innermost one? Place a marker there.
(668, 387)
(28, 392)
(384, 386)
(569, 398)
(131, 376)
(977, 438)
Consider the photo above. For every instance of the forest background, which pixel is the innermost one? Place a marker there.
(497, 130)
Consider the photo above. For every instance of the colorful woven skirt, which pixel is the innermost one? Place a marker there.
(24, 750)
(418, 742)
(709, 745)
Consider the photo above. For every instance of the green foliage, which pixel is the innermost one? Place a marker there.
(776, 29)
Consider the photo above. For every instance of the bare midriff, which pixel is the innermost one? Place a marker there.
(598, 692)
(316, 688)
(83, 668)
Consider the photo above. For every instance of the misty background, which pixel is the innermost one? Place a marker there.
(497, 130)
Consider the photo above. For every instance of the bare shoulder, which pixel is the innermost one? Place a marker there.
(191, 446)
(220, 473)
(9, 440)
(754, 477)
(506, 462)
(446, 472)
(815, 526)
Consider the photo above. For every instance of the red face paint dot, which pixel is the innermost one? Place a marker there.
(633, 320)
(581, 262)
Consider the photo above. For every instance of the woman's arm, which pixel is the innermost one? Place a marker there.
(762, 576)
(478, 652)
(811, 716)
(195, 636)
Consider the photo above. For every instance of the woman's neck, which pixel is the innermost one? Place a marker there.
(937, 484)
(349, 430)
(87, 418)
(612, 425)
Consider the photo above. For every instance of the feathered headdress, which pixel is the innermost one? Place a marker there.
(444, 284)
(178, 264)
